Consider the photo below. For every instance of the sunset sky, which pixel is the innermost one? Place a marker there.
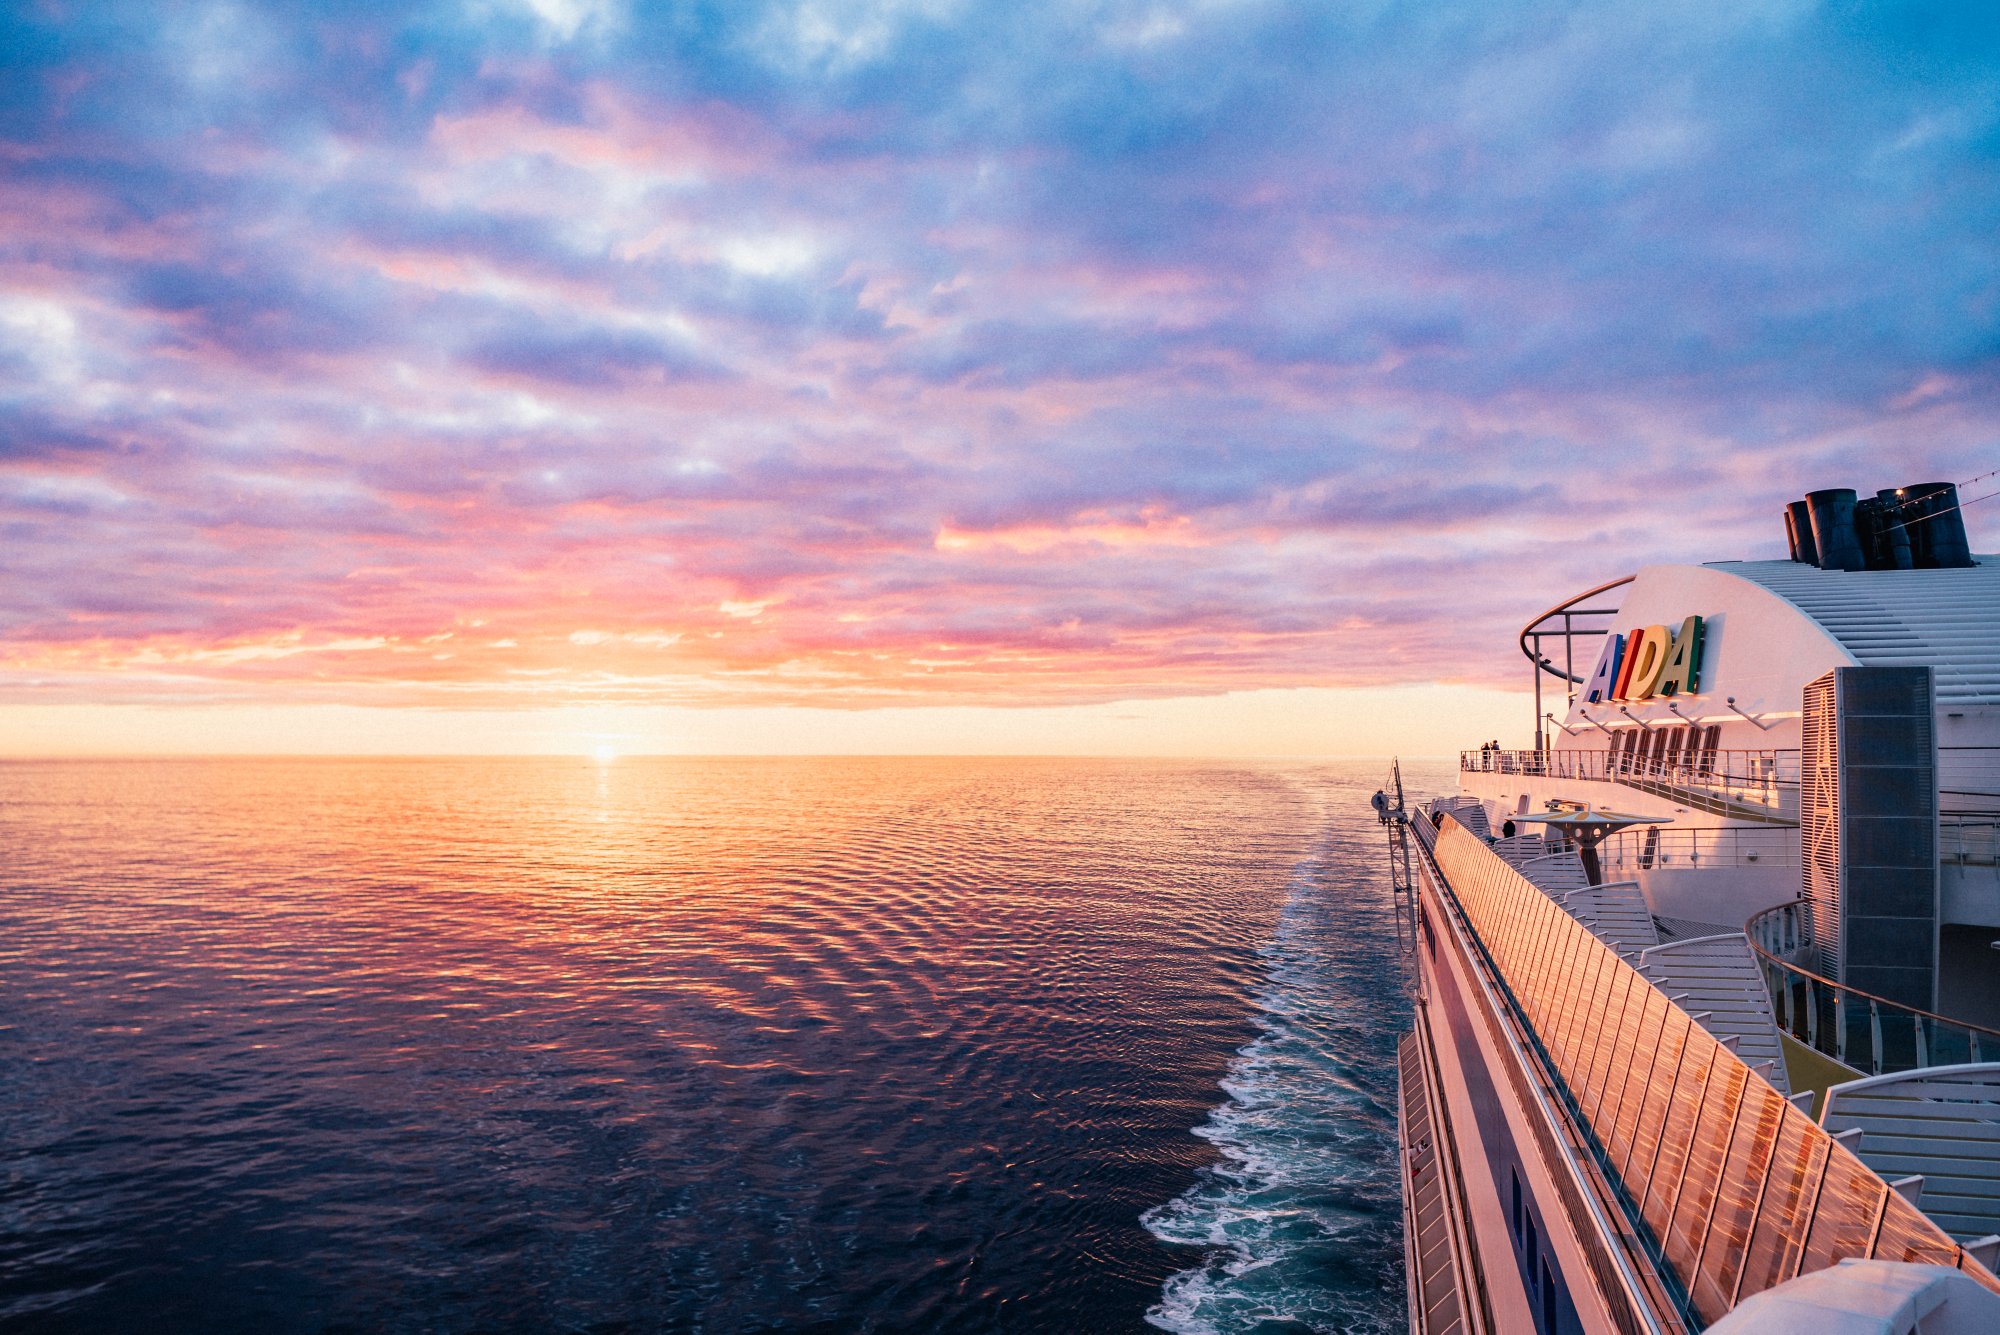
(555, 375)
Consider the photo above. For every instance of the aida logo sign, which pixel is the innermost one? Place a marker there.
(1649, 662)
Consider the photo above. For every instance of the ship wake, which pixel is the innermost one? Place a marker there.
(1300, 1232)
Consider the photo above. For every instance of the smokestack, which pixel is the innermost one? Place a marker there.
(1935, 524)
(1798, 532)
(1833, 529)
(1883, 541)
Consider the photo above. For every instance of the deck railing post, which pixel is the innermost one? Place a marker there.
(1874, 1037)
(1840, 1026)
(1804, 1005)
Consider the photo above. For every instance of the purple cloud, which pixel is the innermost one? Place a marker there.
(1027, 353)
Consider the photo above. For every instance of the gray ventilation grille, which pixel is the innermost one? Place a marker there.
(1819, 818)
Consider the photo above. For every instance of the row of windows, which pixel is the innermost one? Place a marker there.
(1689, 744)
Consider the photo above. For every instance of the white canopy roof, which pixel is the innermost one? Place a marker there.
(1948, 620)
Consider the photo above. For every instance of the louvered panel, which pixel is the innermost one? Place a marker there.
(1942, 1124)
(1819, 818)
(1556, 873)
(1434, 1247)
(1467, 811)
(1518, 849)
(1616, 914)
(1716, 980)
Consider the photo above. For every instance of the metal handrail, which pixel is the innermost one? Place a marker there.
(1673, 848)
(1969, 840)
(1728, 1186)
(1867, 1033)
(1566, 610)
(1539, 1084)
(1969, 779)
(1773, 766)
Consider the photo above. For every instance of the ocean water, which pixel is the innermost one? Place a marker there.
(696, 1045)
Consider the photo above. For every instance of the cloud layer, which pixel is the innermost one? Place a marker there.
(884, 353)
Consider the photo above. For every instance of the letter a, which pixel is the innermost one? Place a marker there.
(1598, 688)
(1683, 672)
(1649, 660)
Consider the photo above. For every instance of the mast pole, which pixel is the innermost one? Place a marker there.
(1540, 746)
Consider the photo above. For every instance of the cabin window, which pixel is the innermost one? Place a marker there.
(1548, 1299)
(1517, 1200)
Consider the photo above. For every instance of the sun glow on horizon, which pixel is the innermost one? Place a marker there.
(1430, 719)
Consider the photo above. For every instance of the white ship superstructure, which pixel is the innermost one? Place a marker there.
(1709, 978)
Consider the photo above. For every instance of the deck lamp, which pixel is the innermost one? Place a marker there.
(1595, 724)
(1731, 702)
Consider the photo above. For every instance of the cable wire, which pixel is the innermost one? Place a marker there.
(1911, 523)
(1919, 500)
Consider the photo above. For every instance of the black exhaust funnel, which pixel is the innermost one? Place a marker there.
(1798, 532)
(1935, 524)
(1878, 521)
(1833, 529)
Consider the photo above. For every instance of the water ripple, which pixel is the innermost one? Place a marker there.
(663, 1045)
(1299, 1219)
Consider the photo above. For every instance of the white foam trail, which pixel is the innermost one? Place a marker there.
(1300, 1216)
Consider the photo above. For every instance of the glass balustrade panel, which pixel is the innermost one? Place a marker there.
(1646, 1028)
(1737, 1187)
(1677, 1135)
(1844, 1216)
(1743, 1179)
(1908, 1235)
(1615, 1048)
(1701, 1179)
(1659, 1096)
(1581, 963)
(1798, 1160)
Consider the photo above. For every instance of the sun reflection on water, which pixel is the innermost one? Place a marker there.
(921, 1039)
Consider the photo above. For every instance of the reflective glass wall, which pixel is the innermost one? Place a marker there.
(1731, 1187)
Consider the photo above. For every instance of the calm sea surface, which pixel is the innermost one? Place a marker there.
(715, 1045)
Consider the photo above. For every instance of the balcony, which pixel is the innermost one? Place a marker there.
(1968, 841)
(1743, 785)
(1669, 848)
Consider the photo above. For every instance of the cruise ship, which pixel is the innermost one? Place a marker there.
(1707, 1033)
